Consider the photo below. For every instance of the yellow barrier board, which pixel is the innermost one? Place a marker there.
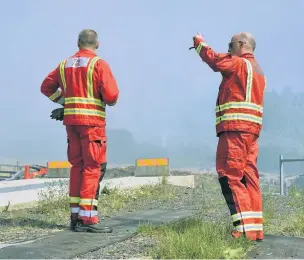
(152, 162)
(60, 165)
(5, 175)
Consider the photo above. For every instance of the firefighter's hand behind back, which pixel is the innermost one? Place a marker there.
(57, 114)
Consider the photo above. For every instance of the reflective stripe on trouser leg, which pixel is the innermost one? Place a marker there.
(75, 158)
(230, 162)
(93, 148)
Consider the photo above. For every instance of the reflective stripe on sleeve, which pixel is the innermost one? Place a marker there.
(57, 94)
(200, 46)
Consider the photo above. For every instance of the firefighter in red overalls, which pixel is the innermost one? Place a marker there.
(84, 85)
(239, 111)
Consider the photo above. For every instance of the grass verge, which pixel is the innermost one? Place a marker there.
(194, 239)
(52, 210)
(284, 215)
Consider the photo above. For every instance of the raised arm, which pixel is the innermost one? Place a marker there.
(218, 62)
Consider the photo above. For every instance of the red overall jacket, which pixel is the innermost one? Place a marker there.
(239, 105)
(84, 84)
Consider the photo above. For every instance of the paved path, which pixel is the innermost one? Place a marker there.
(67, 244)
(278, 247)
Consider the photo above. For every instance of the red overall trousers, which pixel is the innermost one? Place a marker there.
(236, 164)
(86, 153)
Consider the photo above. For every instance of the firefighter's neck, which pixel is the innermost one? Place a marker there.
(88, 48)
(246, 51)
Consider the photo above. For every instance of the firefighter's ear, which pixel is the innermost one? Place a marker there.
(97, 45)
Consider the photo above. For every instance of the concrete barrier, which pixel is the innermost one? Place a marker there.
(58, 169)
(22, 193)
(19, 192)
(148, 167)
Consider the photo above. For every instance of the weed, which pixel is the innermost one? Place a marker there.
(195, 239)
(54, 198)
(115, 199)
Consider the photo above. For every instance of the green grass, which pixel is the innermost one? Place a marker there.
(194, 239)
(55, 198)
(290, 221)
(112, 200)
(52, 210)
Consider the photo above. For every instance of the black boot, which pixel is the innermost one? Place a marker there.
(73, 222)
(93, 228)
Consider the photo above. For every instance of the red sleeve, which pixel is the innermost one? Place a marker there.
(108, 85)
(223, 62)
(50, 87)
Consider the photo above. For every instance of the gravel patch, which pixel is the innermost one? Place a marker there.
(135, 247)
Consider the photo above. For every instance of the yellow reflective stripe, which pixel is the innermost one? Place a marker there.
(90, 77)
(74, 199)
(239, 116)
(200, 46)
(61, 68)
(55, 95)
(86, 101)
(249, 80)
(245, 105)
(249, 227)
(246, 215)
(88, 202)
(84, 111)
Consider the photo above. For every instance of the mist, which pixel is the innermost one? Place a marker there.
(167, 94)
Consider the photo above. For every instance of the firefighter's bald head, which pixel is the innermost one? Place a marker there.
(242, 43)
(88, 39)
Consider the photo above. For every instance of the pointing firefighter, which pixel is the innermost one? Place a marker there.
(84, 85)
(239, 111)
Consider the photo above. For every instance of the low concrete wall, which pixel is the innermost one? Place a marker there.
(59, 173)
(27, 191)
(136, 182)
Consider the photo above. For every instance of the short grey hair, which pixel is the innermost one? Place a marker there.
(88, 37)
(248, 38)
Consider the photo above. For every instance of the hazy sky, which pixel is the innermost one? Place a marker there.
(146, 43)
